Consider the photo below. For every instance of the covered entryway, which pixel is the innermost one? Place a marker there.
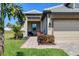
(33, 27)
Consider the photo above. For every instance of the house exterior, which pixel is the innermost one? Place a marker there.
(33, 22)
(64, 17)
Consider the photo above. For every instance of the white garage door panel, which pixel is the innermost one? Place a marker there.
(66, 25)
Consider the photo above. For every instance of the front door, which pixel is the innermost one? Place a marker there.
(34, 28)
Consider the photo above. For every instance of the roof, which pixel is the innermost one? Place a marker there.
(53, 7)
(62, 8)
(32, 12)
(59, 9)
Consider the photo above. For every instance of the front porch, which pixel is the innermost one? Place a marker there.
(33, 27)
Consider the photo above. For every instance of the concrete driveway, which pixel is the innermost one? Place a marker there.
(66, 40)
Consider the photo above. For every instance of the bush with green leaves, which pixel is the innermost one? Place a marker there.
(18, 32)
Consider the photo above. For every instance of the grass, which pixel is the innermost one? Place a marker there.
(12, 48)
(42, 52)
(11, 45)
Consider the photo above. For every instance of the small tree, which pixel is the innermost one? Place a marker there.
(17, 30)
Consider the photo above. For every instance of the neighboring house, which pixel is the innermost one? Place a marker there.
(63, 17)
(7, 29)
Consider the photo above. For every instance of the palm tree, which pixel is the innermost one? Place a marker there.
(10, 10)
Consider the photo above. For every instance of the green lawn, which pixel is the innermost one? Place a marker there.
(12, 48)
(11, 45)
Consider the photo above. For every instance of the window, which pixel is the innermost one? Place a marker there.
(33, 17)
(34, 26)
(76, 5)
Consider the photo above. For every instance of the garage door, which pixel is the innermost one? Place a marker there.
(66, 25)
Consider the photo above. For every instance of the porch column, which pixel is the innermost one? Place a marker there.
(25, 34)
(41, 25)
(49, 25)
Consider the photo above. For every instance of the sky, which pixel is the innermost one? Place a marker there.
(30, 6)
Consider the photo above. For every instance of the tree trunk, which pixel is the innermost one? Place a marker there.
(1, 43)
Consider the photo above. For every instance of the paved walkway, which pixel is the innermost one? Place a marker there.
(68, 44)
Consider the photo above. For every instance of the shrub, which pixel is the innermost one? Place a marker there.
(46, 39)
(18, 35)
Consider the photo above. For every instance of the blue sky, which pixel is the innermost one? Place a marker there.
(30, 6)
